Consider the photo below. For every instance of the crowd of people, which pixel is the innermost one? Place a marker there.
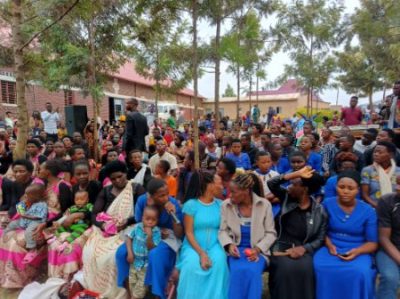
(316, 210)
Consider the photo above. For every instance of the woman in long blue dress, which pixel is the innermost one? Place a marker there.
(247, 232)
(161, 258)
(202, 261)
(344, 267)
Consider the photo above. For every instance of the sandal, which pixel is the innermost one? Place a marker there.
(30, 256)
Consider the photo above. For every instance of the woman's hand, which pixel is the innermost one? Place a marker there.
(332, 249)
(205, 262)
(252, 255)
(306, 172)
(233, 250)
(37, 233)
(350, 255)
(164, 233)
(170, 207)
(296, 252)
(71, 219)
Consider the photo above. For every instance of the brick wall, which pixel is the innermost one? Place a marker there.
(37, 97)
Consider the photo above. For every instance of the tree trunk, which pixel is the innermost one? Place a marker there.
(371, 104)
(250, 90)
(337, 96)
(93, 89)
(308, 102)
(311, 102)
(195, 87)
(257, 85)
(384, 91)
(217, 73)
(157, 97)
(23, 118)
(237, 92)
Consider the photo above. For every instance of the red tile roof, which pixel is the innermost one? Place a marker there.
(127, 72)
(290, 86)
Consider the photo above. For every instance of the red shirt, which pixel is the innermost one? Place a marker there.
(351, 116)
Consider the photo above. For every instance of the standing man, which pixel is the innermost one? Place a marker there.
(50, 121)
(9, 120)
(394, 119)
(352, 115)
(136, 128)
(171, 121)
(255, 114)
(270, 115)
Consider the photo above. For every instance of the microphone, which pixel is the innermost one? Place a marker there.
(177, 221)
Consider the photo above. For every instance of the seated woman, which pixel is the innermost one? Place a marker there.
(64, 264)
(185, 175)
(379, 178)
(226, 169)
(139, 172)
(298, 161)
(14, 273)
(301, 226)
(280, 163)
(388, 257)
(202, 260)
(344, 267)
(178, 149)
(247, 232)
(112, 155)
(313, 159)
(115, 201)
(161, 258)
(345, 161)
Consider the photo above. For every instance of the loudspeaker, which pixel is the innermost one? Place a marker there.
(75, 118)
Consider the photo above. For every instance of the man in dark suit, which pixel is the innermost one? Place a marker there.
(136, 128)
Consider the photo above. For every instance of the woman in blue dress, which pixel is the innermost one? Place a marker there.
(202, 261)
(247, 232)
(161, 258)
(344, 267)
(345, 161)
(313, 159)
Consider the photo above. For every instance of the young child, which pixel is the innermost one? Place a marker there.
(32, 211)
(161, 172)
(264, 171)
(82, 205)
(143, 237)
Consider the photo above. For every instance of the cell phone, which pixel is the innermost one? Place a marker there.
(343, 254)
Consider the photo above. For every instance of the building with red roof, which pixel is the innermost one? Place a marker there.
(285, 100)
(124, 84)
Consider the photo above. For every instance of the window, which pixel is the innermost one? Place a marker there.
(8, 92)
(278, 110)
(68, 98)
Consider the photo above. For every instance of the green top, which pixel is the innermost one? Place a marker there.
(171, 121)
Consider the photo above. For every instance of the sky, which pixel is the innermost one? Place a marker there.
(273, 69)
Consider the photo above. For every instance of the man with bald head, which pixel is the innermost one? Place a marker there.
(136, 128)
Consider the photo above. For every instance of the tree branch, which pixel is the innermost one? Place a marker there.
(50, 25)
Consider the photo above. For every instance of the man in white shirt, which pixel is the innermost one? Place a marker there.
(50, 120)
(9, 121)
(162, 154)
(367, 141)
